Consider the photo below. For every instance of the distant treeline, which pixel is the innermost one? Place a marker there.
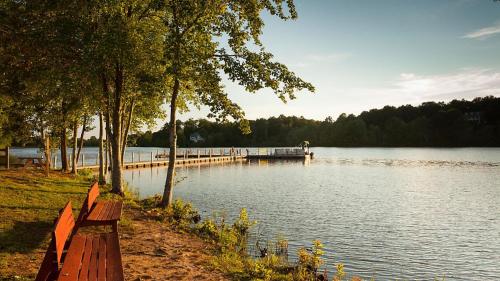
(457, 123)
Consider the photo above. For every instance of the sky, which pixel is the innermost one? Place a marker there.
(366, 54)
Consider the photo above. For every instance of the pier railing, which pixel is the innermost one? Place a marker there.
(89, 158)
(141, 157)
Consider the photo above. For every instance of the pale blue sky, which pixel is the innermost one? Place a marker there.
(363, 54)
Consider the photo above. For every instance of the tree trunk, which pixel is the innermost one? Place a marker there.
(108, 156)
(64, 146)
(116, 133)
(80, 146)
(109, 167)
(46, 150)
(127, 127)
(75, 144)
(47, 155)
(116, 172)
(102, 178)
(169, 184)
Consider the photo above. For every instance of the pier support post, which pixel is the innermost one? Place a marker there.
(132, 157)
(151, 158)
(198, 154)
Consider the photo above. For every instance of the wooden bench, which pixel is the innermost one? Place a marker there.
(88, 257)
(99, 213)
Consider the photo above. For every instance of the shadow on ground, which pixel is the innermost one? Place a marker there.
(24, 237)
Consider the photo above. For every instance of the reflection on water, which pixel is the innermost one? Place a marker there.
(406, 214)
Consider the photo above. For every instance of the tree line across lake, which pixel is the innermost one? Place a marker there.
(457, 123)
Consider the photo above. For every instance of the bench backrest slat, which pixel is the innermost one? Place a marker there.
(64, 227)
(92, 195)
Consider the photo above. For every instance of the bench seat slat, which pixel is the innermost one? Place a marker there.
(84, 271)
(106, 211)
(104, 215)
(93, 260)
(109, 215)
(72, 262)
(101, 271)
(115, 270)
(117, 211)
(96, 211)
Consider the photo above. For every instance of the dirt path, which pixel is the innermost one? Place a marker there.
(153, 251)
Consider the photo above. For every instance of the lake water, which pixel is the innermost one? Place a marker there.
(388, 213)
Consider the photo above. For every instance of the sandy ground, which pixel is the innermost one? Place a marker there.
(153, 251)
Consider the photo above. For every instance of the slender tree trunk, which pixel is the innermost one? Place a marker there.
(108, 156)
(75, 144)
(169, 184)
(46, 150)
(116, 134)
(64, 139)
(102, 178)
(107, 146)
(47, 155)
(64, 146)
(116, 172)
(109, 167)
(127, 127)
(80, 146)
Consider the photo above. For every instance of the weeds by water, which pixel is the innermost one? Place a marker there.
(231, 240)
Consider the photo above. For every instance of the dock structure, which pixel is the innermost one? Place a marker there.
(190, 157)
(281, 153)
(284, 157)
(186, 158)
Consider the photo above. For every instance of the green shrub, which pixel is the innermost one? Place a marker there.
(310, 261)
(86, 174)
(181, 214)
(208, 229)
(150, 203)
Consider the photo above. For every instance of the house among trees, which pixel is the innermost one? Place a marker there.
(196, 137)
(473, 116)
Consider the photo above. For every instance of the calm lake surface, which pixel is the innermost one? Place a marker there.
(388, 213)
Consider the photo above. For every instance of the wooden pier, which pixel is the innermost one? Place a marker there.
(281, 153)
(283, 157)
(179, 161)
(191, 157)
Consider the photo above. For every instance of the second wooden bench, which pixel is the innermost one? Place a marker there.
(99, 212)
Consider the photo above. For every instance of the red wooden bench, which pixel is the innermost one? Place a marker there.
(99, 212)
(88, 257)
